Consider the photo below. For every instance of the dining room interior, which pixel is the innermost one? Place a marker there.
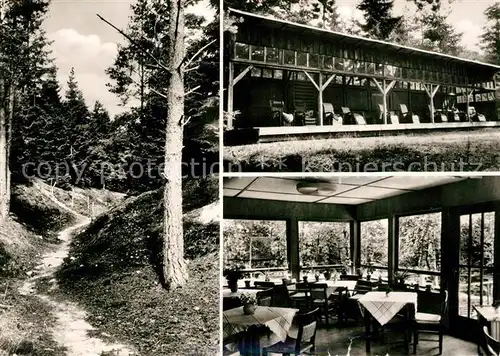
(361, 265)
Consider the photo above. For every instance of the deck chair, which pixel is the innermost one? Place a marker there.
(475, 116)
(330, 118)
(351, 118)
(439, 115)
(393, 118)
(406, 116)
(277, 111)
(453, 115)
(299, 113)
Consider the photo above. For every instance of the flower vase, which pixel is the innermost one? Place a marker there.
(233, 285)
(249, 309)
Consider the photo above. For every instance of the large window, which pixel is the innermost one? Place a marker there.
(476, 263)
(255, 244)
(419, 247)
(374, 243)
(324, 243)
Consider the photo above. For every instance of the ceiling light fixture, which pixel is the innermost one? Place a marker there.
(316, 188)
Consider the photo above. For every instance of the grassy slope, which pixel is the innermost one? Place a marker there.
(113, 272)
(30, 230)
(479, 150)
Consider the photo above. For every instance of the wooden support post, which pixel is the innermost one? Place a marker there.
(320, 99)
(292, 233)
(230, 85)
(431, 93)
(320, 95)
(391, 263)
(241, 75)
(230, 94)
(384, 101)
(467, 102)
(496, 86)
(384, 90)
(354, 228)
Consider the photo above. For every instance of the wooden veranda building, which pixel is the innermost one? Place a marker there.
(284, 78)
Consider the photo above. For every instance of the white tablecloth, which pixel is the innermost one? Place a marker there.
(383, 307)
(278, 320)
(492, 315)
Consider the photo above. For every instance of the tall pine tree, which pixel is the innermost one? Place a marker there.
(23, 64)
(490, 38)
(379, 22)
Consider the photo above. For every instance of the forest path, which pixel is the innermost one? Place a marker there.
(71, 330)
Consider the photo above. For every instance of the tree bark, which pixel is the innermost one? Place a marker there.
(4, 165)
(174, 266)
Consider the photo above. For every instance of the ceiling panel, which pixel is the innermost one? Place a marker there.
(342, 200)
(237, 183)
(277, 196)
(276, 185)
(230, 192)
(350, 190)
(357, 180)
(415, 182)
(368, 192)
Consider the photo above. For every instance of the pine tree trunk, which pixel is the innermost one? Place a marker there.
(4, 167)
(174, 266)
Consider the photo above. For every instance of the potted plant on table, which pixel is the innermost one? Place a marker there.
(249, 302)
(399, 279)
(233, 274)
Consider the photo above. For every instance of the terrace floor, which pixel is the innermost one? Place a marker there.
(335, 341)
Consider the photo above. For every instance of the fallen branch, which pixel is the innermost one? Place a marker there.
(5, 306)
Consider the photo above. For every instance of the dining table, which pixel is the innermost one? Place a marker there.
(276, 322)
(491, 315)
(382, 307)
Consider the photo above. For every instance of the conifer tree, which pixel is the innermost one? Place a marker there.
(379, 22)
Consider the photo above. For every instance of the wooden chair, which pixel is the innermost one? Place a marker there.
(491, 346)
(305, 341)
(281, 297)
(262, 284)
(300, 296)
(350, 304)
(300, 113)
(227, 352)
(277, 108)
(265, 297)
(320, 299)
(231, 303)
(431, 324)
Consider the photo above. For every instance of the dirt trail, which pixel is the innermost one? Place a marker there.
(71, 330)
